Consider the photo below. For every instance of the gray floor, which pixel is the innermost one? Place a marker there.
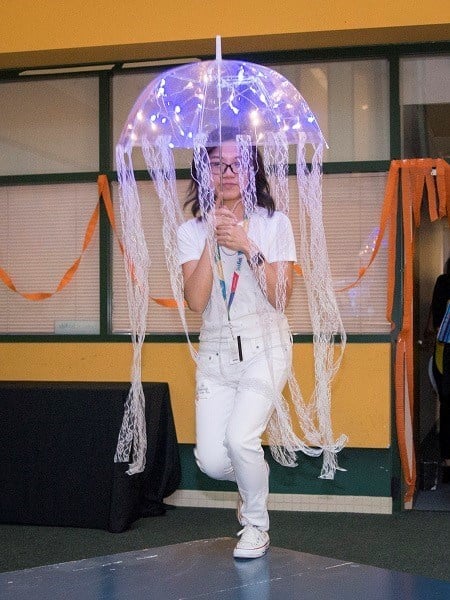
(206, 570)
(438, 499)
(433, 493)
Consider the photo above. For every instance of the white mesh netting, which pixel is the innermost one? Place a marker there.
(243, 89)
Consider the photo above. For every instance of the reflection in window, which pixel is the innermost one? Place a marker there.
(425, 101)
(49, 126)
(351, 101)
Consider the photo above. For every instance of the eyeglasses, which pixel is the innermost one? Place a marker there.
(218, 167)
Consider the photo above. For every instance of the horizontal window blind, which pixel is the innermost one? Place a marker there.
(351, 213)
(161, 320)
(41, 235)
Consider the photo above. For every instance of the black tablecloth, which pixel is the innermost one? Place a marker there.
(57, 444)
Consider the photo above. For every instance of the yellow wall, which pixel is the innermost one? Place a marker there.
(361, 391)
(49, 24)
(49, 32)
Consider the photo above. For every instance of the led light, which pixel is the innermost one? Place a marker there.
(231, 105)
(254, 117)
(160, 91)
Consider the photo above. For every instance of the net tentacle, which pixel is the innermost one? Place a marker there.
(132, 441)
(182, 108)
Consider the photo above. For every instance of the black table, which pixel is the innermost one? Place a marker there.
(57, 445)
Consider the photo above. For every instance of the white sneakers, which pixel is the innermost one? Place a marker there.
(253, 543)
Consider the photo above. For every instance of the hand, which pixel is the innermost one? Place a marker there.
(229, 232)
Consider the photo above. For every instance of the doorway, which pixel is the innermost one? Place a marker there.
(432, 249)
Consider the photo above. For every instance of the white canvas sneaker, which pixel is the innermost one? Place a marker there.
(253, 543)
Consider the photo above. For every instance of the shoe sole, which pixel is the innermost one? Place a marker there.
(245, 553)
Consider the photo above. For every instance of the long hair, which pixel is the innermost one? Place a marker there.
(263, 195)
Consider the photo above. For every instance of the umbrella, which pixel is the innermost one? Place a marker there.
(203, 97)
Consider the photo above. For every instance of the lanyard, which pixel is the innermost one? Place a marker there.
(234, 278)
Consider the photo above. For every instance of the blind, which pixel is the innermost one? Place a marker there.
(351, 213)
(161, 320)
(41, 234)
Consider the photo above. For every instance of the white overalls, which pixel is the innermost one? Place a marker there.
(242, 363)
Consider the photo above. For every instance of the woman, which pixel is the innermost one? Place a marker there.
(245, 343)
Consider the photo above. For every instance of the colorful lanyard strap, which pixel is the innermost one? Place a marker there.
(234, 278)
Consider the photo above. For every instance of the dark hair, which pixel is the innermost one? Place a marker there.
(263, 195)
(447, 266)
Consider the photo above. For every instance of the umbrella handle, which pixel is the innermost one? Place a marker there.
(218, 47)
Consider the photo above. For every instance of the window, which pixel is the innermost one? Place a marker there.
(425, 101)
(351, 102)
(54, 125)
(49, 126)
(41, 235)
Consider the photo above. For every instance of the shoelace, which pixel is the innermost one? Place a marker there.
(251, 534)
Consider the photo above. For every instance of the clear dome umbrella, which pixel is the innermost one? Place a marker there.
(203, 97)
(196, 106)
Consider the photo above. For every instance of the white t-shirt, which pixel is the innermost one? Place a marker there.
(274, 238)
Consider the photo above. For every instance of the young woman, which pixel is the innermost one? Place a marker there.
(240, 286)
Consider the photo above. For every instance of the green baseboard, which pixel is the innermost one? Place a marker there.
(368, 473)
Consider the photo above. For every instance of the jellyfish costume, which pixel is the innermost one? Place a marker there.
(191, 106)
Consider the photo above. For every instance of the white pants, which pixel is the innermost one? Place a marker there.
(234, 402)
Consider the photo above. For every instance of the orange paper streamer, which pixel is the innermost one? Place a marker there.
(68, 275)
(105, 195)
(415, 177)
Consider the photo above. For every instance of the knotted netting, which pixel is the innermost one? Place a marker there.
(191, 107)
